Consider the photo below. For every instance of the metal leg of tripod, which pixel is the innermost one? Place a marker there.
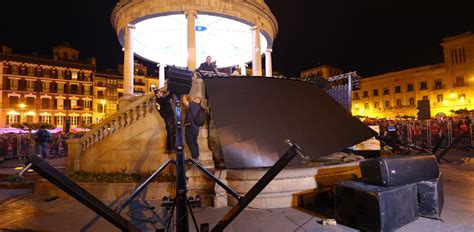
(219, 182)
(257, 188)
(18, 178)
(142, 187)
(74, 190)
(192, 216)
(454, 143)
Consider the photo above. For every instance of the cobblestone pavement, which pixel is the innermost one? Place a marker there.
(23, 210)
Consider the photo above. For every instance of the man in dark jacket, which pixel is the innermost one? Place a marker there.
(167, 113)
(192, 128)
(208, 66)
(42, 138)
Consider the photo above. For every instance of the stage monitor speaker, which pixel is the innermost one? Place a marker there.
(179, 80)
(375, 208)
(253, 116)
(399, 170)
(424, 111)
(430, 198)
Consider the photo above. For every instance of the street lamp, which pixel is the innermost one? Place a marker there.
(22, 108)
(103, 101)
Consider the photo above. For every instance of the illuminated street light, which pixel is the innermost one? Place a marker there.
(22, 108)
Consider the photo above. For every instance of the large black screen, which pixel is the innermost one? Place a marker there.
(254, 115)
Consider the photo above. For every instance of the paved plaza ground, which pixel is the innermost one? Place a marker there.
(22, 210)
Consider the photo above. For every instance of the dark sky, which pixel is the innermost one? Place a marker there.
(368, 36)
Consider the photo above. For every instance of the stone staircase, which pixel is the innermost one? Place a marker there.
(133, 139)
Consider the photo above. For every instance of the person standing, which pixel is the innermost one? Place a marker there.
(42, 137)
(166, 112)
(192, 126)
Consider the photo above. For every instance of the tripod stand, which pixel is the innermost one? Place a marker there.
(180, 204)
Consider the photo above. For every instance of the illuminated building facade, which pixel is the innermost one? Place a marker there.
(449, 86)
(108, 89)
(43, 89)
(38, 89)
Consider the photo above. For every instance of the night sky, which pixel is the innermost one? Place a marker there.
(368, 36)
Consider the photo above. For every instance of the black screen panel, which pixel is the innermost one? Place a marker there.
(254, 115)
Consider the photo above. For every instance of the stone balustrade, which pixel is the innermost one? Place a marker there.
(124, 118)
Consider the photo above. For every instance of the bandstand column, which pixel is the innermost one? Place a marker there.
(191, 16)
(257, 54)
(243, 70)
(161, 81)
(128, 63)
(268, 63)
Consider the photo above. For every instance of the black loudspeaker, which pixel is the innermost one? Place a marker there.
(399, 170)
(179, 80)
(424, 111)
(430, 198)
(375, 208)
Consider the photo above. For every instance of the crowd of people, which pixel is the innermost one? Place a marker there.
(19, 145)
(428, 132)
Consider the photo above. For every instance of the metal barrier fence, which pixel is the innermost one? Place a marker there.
(16, 146)
(429, 132)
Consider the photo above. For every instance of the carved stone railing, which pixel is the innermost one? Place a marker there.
(133, 112)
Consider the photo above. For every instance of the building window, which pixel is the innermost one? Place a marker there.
(11, 119)
(30, 101)
(86, 120)
(13, 84)
(74, 120)
(366, 94)
(30, 85)
(46, 72)
(120, 95)
(45, 119)
(386, 91)
(410, 87)
(100, 108)
(31, 71)
(29, 118)
(398, 89)
(74, 105)
(45, 86)
(387, 104)
(366, 106)
(439, 97)
(399, 102)
(411, 101)
(100, 94)
(60, 102)
(74, 75)
(438, 84)
(60, 87)
(74, 89)
(460, 81)
(87, 105)
(356, 96)
(376, 92)
(14, 69)
(14, 100)
(425, 98)
(59, 120)
(45, 103)
(376, 105)
(423, 85)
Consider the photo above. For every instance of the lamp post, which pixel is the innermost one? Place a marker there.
(103, 101)
(22, 108)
